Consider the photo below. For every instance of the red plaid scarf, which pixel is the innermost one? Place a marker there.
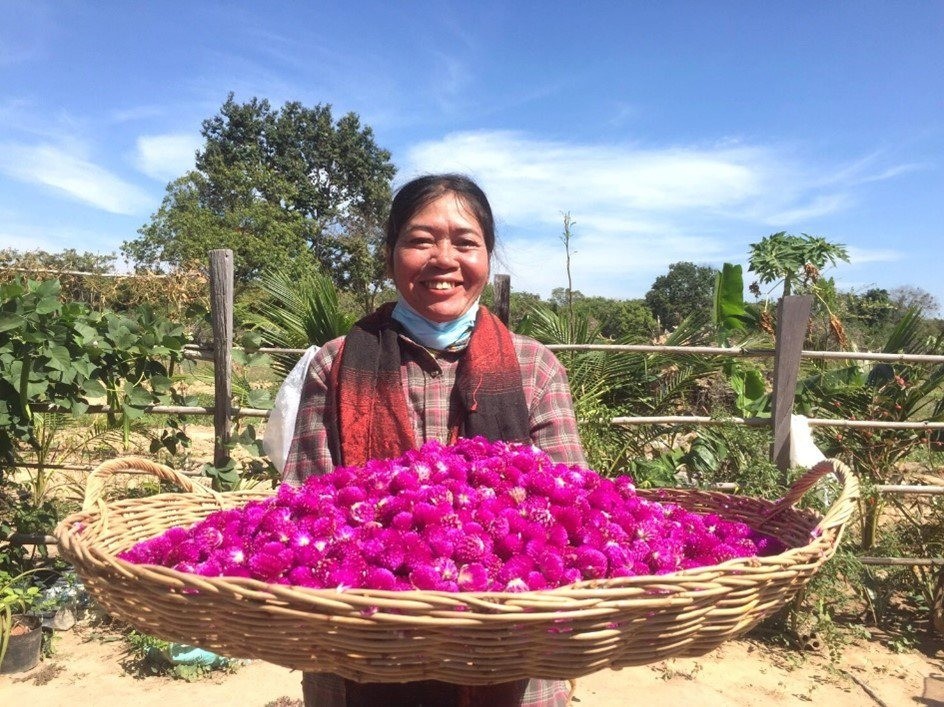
(370, 419)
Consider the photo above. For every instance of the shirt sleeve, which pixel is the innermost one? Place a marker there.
(309, 454)
(550, 405)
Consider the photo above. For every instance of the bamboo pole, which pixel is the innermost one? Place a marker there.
(193, 351)
(221, 308)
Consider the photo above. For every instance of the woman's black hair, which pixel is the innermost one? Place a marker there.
(416, 194)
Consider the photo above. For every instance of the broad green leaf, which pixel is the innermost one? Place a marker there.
(259, 398)
(93, 388)
(136, 395)
(48, 305)
(10, 321)
(59, 358)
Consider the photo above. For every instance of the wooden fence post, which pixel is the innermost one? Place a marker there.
(793, 317)
(501, 286)
(221, 310)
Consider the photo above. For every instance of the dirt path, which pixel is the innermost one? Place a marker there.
(87, 667)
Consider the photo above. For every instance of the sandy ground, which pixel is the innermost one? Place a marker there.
(89, 666)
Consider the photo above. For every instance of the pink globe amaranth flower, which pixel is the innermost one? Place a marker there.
(496, 526)
(229, 559)
(340, 478)
(302, 576)
(536, 581)
(538, 511)
(266, 568)
(508, 545)
(471, 548)
(425, 577)
(211, 567)
(557, 536)
(570, 519)
(515, 567)
(483, 476)
(380, 578)
(446, 568)
(187, 551)
(551, 565)
(443, 540)
(349, 495)
(604, 497)
(426, 514)
(516, 585)
(176, 535)
(591, 562)
(473, 577)
(616, 555)
(541, 483)
(363, 512)
(403, 521)
(404, 480)
(208, 536)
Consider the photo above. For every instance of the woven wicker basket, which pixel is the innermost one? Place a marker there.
(465, 638)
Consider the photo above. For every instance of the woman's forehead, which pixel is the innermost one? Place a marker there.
(449, 207)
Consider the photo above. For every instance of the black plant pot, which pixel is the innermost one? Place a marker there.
(23, 649)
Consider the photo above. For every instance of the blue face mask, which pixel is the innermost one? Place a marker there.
(436, 335)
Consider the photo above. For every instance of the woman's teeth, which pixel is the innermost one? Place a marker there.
(440, 285)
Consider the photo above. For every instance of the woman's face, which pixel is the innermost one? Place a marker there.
(440, 263)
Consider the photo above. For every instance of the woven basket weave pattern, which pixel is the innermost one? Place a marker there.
(466, 638)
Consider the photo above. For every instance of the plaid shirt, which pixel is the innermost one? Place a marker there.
(428, 381)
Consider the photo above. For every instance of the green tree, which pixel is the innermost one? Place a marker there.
(70, 259)
(282, 188)
(796, 261)
(685, 290)
(909, 297)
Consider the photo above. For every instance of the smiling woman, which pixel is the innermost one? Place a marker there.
(433, 366)
(439, 263)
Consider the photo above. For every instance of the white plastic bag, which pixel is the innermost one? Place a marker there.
(281, 425)
(803, 450)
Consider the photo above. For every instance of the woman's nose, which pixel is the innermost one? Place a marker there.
(444, 254)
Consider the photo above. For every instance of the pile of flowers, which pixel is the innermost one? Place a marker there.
(474, 516)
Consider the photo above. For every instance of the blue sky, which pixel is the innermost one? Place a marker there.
(669, 131)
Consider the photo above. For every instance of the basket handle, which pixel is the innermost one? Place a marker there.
(841, 509)
(95, 483)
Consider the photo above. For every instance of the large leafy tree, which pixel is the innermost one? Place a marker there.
(685, 290)
(289, 187)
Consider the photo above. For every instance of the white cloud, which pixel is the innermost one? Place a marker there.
(861, 256)
(532, 181)
(637, 210)
(817, 206)
(166, 157)
(66, 171)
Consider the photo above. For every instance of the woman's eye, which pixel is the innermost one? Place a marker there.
(419, 242)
